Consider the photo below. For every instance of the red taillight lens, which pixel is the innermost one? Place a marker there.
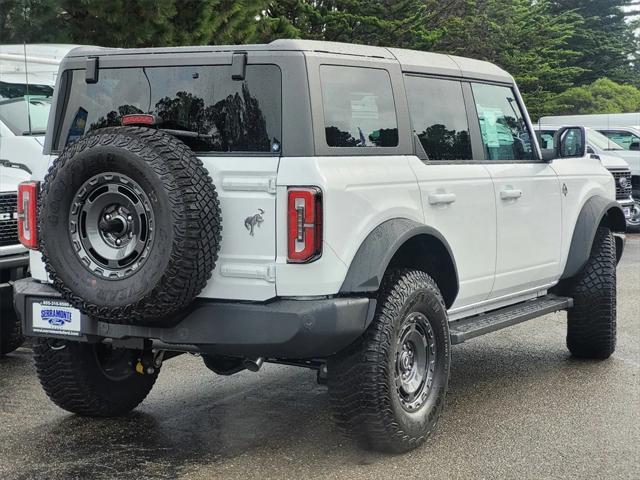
(138, 119)
(304, 226)
(27, 212)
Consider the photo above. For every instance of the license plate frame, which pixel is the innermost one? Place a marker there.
(55, 317)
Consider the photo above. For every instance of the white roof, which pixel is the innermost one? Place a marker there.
(41, 62)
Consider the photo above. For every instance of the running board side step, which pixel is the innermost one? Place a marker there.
(471, 327)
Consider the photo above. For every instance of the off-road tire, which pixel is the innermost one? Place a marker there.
(361, 379)
(635, 227)
(72, 378)
(591, 323)
(10, 329)
(186, 228)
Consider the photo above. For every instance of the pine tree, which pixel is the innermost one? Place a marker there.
(199, 22)
(606, 42)
(119, 23)
(31, 21)
(524, 37)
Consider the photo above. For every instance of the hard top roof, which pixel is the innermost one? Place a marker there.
(410, 60)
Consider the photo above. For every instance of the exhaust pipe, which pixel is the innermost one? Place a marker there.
(253, 364)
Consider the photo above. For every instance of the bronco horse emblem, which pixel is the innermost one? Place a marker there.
(254, 220)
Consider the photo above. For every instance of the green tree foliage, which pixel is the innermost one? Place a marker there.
(521, 36)
(602, 96)
(400, 23)
(130, 23)
(552, 47)
(605, 41)
(31, 21)
(119, 23)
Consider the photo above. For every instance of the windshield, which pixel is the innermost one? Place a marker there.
(15, 114)
(19, 101)
(601, 142)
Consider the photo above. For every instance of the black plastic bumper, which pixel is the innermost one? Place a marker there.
(283, 328)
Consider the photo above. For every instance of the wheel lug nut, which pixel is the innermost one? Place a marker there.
(107, 217)
(129, 217)
(118, 241)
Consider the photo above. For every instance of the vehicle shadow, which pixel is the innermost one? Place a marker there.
(196, 419)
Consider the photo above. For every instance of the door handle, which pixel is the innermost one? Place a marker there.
(441, 198)
(510, 194)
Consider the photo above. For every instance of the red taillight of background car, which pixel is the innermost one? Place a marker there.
(27, 214)
(304, 225)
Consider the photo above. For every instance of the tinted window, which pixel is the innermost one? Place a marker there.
(621, 138)
(439, 118)
(359, 110)
(202, 105)
(504, 132)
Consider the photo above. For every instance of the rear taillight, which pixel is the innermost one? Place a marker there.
(304, 226)
(27, 214)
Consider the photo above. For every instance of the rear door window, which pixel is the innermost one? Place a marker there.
(201, 105)
(505, 135)
(359, 110)
(439, 118)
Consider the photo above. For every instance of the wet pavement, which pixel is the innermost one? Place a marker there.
(518, 407)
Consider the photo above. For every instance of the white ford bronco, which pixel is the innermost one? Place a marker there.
(352, 209)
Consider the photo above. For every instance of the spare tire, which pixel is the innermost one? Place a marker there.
(129, 225)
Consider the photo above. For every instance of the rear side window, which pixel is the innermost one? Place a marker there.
(201, 105)
(359, 110)
(505, 135)
(439, 118)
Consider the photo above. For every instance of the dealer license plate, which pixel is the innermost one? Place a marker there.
(55, 316)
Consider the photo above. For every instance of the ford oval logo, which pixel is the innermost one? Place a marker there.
(623, 182)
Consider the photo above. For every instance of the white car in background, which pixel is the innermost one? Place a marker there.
(27, 79)
(608, 153)
(622, 130)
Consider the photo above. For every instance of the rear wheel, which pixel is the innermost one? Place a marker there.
(591, 325)
(91, 379)
(387, 390)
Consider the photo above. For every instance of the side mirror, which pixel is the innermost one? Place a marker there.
(568, 142)
(634, 146)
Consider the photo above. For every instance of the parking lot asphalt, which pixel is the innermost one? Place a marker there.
(518, 407)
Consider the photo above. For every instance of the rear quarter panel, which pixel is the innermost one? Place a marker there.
(359, 193)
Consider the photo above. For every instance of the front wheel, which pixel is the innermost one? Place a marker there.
(633, 222)
(387, 390)
(95, 380)
(591, 323)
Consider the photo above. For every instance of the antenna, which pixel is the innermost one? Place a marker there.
(26, 77)
(26, 73)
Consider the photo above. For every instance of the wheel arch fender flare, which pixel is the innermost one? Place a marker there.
(378, 250)
(596, 211)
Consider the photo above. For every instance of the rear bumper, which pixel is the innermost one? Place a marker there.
(284, 328)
